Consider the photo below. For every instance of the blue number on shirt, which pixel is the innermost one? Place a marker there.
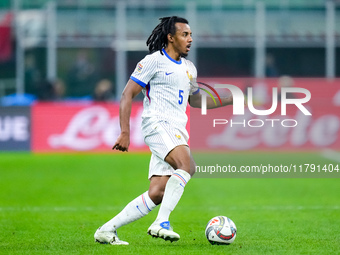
(180, 101)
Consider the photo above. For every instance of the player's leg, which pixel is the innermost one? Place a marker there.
(140, 206)
(133, 211)
(181, 160)
(157, 187)
(136, 209)
(159, 173)
(170, 147)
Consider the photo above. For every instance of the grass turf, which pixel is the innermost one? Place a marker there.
(53, 203)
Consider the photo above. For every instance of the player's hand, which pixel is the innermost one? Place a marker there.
(122, 143)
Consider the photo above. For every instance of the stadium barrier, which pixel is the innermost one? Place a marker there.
(72, 126)
(15, 128)
(221, 130)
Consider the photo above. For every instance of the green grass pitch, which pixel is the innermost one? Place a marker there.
(53, 203)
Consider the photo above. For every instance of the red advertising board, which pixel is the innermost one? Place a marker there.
(81, 127)
(94, 127)
(220, 129)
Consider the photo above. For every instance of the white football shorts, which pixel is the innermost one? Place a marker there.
(162, 137)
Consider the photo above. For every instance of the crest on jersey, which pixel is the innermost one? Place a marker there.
(139, 67)
(193, 82)
(189, 75)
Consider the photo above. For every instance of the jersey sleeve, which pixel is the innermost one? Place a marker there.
(194, 88)
(144, 70)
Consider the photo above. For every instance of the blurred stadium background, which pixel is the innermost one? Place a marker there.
(63, 65)
(84, 51)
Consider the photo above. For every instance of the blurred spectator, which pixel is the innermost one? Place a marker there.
(103, 91)
(32, 75)
(49, 91)
(82, 76)
(59, 89)
(285, 81)
(260, 93)
(271, 69)
(45, 90)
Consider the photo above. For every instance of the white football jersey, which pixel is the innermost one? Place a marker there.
(167, 84)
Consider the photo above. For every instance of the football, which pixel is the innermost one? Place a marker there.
(220, 230)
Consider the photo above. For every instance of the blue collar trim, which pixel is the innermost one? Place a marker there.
(175, 61)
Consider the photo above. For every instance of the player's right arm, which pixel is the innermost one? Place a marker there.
(131, 90)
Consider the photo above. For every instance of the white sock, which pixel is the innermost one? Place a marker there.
(136, 209)
(172, 194)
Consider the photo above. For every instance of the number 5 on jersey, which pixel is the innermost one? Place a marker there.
(180, 101)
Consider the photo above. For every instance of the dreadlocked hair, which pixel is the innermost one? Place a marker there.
(159, 36)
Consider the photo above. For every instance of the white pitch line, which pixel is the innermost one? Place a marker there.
(57, 209)
(331, 154)
(116, 209)
(282, 208)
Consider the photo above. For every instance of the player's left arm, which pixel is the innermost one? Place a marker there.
(195, 101)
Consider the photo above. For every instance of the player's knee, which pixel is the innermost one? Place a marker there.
(156, 194)
(192, 168)
(179, 163)
(184, 166)
(179, 158)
